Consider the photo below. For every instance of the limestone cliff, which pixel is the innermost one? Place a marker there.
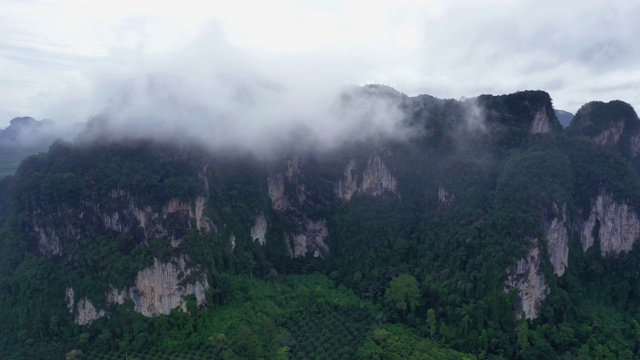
(375, 180)
(86, 313)
(158, 289)
(617, 224)
(161, 288)
(609, 137)
(557, 235)
(70, 299)
(123, 215)
(308, 235)
(527, 277)
(275, 184)
(310, 239)
(540, 123)
(48, 240)
(445, 199)
(259, 229)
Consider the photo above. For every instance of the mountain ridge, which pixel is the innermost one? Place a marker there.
(493, 207)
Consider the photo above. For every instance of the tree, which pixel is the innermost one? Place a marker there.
(219, 343)
(431, 322)
(404, 294)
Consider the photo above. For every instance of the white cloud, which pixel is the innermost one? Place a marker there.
(54, 53)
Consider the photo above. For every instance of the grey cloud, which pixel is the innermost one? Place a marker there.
(574, 49)
(226, 99)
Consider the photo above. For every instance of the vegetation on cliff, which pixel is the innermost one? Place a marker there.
(414, 271)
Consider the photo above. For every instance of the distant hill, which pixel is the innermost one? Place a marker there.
(27, 136)
(564, 117)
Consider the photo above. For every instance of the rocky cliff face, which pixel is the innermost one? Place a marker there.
(557, 234)
(310, 238)
(275, 184)
(375, 180)
(141, 221)
(161, 288)
(609, 137)
(527, 277)
(157, 290)
(48, 240)
(70, 299)
(259, 229)
(309, 235)
(445, 199)
(617, 224)
(540, 123)
(86, 313)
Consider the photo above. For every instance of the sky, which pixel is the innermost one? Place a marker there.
(71, 60)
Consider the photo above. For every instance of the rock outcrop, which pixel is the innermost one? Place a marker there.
(557, 235)
(310, 239)
(259, 229)
(70, 299)
(540, 123)
(609, 137)
(527, 277)
(86, 313)
(617, 224)
(48, 240)
(275, 185)
(158, 290)
(232, 241)
(143, 222)
(445, 199)
(375, 180)
(308, 236)
(161, 288)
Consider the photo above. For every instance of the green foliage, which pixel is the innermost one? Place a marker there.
(596, 116)
(417, 272)
(398, 342)
(404, 295)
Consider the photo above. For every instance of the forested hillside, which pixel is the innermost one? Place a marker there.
(488, 232)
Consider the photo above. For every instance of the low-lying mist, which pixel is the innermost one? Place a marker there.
(228, 99)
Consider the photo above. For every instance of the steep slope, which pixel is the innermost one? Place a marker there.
(500, 222)
(614, 125)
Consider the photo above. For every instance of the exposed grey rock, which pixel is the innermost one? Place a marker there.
(129, 216)
(159, 289)
(619, 226)
(275, 185)
(445, 198)
(70, 298)
(540, 123)
(557, 234)
(310, 239)
(610, 136)
(259, 229)
(48, 240)
(527, 277)
(86, 313)
(375, 180)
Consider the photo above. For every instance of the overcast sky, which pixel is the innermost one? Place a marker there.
(62, 59)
